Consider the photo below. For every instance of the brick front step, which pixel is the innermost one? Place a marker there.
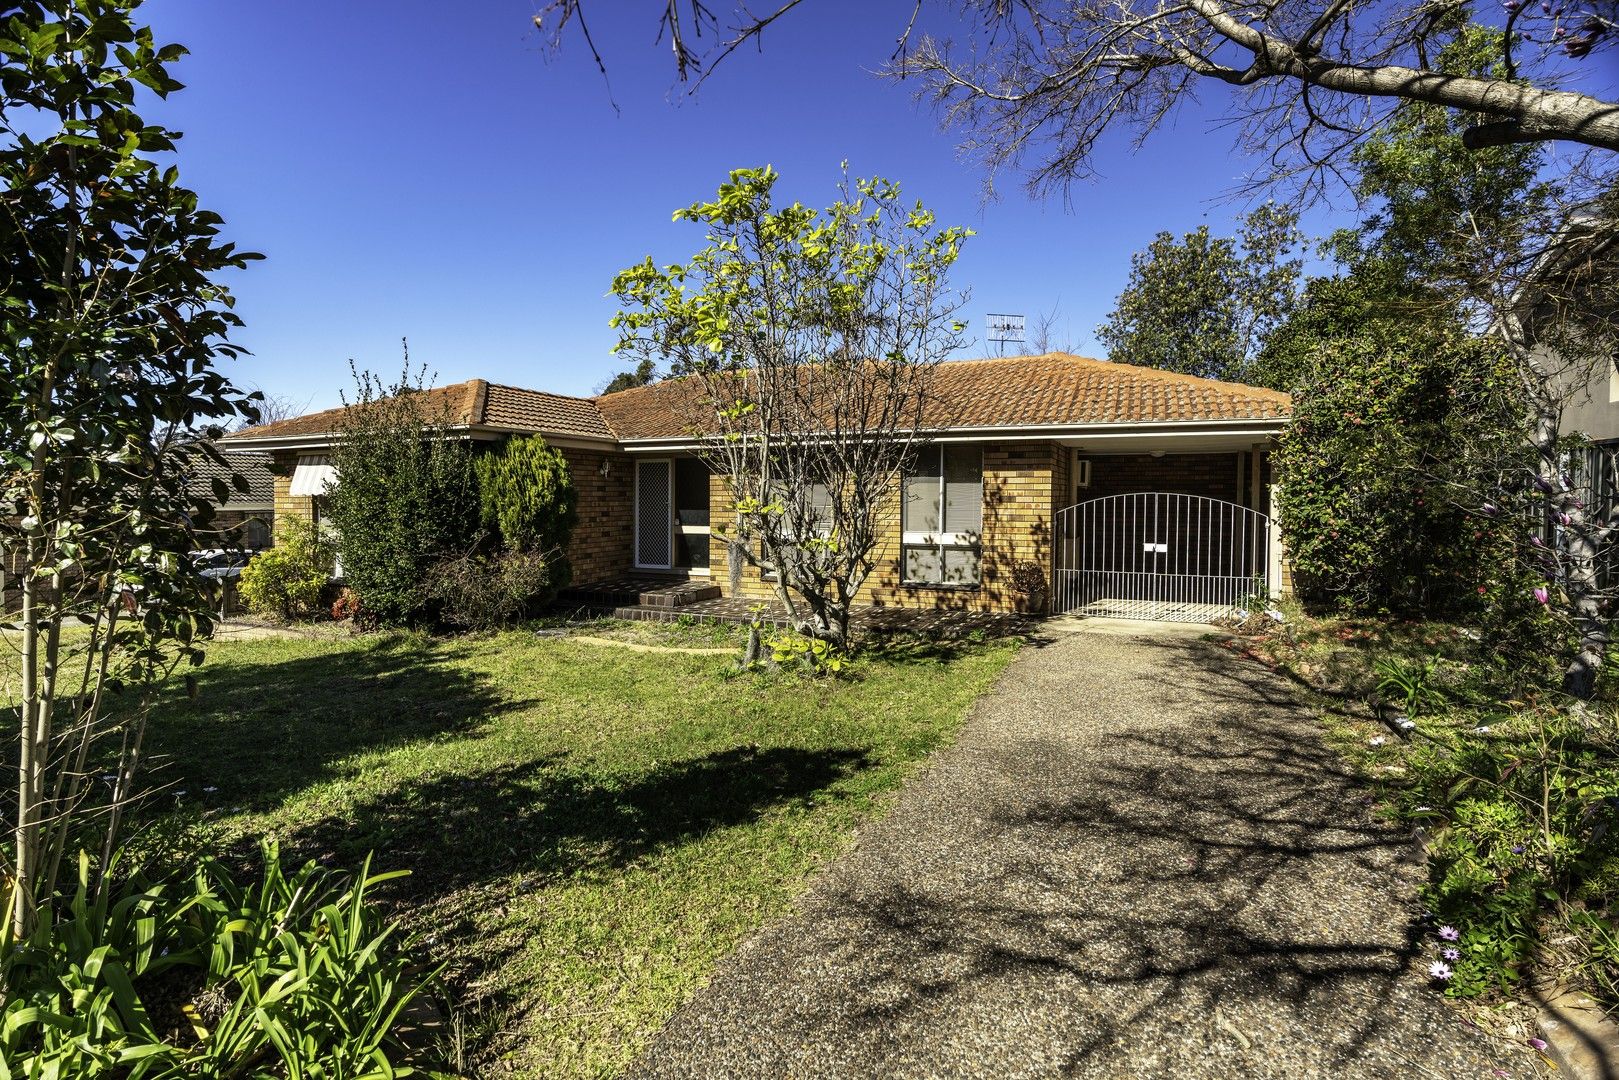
(666, 593)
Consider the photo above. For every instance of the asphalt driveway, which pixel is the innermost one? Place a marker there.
(1140, 860)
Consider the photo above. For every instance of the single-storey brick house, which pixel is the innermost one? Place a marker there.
(1121, 486)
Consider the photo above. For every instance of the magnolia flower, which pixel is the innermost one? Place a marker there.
(1449, 933)
(1490, 509)
(1563, 519)
(1439, 970)
(1538, 1044)
(1541, 594)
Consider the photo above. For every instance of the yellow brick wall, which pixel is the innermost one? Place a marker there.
(288, 506)
(602, 546)
(1023, 482)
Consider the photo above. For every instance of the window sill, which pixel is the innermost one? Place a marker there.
(944, 585)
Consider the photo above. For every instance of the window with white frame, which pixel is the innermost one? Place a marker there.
(943, 516)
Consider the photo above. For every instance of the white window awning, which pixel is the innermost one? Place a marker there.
(313, 475)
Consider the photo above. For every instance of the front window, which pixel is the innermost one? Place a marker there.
(943, 516)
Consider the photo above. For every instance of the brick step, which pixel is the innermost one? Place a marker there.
(643, 592)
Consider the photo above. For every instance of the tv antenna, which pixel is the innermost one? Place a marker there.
(1004, 330)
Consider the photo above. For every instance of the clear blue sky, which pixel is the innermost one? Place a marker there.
(427, 170)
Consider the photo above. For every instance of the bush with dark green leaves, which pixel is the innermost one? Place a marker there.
(297, 974)
(406, 496)
(528, 498)
(1391, 420)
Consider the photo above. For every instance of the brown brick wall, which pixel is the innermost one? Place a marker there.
(1213, 476)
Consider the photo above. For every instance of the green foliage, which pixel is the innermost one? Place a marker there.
(295, 975)
(1385, 417)
(287, 580)
(1438, 207)
(1410, 684)
(528, 497)
(488, 592)
(1526, 837)
(809, 654)
(1203, 304)
(644, 374)
(406, 497)
(796, 319)
(112, 319)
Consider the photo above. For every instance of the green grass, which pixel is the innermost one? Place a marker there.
(588, 829)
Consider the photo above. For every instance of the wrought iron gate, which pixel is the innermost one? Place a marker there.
(1157, 555)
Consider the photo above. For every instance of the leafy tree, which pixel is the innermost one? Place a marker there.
(644, 374)
(804, 343)
(528, 498)
(406, 495)
(111, 322)
(1203, 305)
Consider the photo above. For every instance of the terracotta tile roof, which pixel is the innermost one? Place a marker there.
(474, 402)
(1015, 391)
(531, 410)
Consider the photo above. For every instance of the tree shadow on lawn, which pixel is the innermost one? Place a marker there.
(258, 732)
(548, 822)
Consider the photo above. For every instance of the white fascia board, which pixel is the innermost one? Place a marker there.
(326, 439)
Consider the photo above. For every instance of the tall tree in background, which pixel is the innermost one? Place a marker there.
(803, 344)
(110, 325)
(1203, 305)
(643, 374)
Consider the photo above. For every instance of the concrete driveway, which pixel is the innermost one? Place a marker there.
(1140, 860)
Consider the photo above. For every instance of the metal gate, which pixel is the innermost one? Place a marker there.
(1157, 555)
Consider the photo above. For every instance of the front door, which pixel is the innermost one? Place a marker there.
(654, 503)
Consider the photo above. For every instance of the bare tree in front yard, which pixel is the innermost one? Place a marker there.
(804, 344)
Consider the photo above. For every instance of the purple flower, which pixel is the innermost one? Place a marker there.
(1538, 1044)
(1439, 970)
(1537, 542)
(1450, 955)
(1449, 933)
(1563, 519)
(1517, 849)
(1541, 594)
(1490, 509)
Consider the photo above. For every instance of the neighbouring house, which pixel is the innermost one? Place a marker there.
(1125, 489)
(246, 519)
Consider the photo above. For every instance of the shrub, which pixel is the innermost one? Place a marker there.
(487, 592)
(287, 580)
(1373, 470)
(406, 495)
(297, 975)
(528, 498)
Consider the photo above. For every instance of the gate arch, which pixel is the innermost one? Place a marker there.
(1158, 555)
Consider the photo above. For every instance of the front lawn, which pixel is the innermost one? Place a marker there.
(589, 829)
